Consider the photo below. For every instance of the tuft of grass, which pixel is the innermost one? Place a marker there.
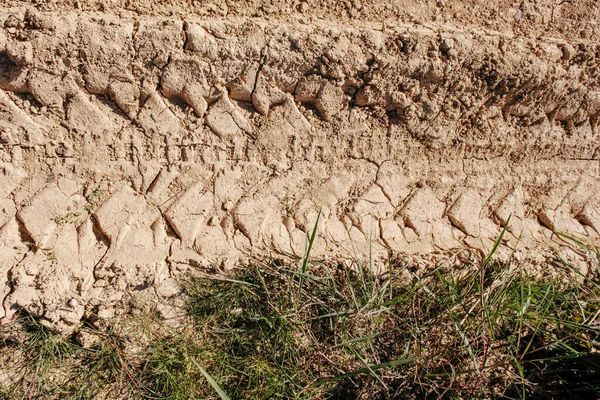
(249, 331)
(43, 349)
(167, 370)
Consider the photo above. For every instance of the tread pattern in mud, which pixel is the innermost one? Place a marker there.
(133, 149)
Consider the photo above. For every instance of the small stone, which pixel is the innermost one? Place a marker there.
(330, 101)
(100, 283)
(161, 60)
(567, 51)
(452, 53)
(12, 21)
(228, 205)
(587, 33)
(446, 45)
(168, 289)
(106, 313)
(86, 339)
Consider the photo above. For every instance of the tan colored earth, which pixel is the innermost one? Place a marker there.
(143, 140)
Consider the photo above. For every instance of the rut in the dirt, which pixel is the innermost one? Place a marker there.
(133, 149)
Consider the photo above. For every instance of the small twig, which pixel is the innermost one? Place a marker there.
(123, 364)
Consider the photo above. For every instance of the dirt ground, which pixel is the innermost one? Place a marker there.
(141, 140)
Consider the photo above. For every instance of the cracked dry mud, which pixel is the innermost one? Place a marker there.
(139, 142)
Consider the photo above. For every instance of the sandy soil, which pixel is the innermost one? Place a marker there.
(142, 141)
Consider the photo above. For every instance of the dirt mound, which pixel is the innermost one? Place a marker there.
(135, 144)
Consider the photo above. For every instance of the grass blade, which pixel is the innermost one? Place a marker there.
(306, 257)
(389, 364)
(496, 243)
(212, 382)
(367, 366)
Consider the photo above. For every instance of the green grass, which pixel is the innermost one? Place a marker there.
(308, 330)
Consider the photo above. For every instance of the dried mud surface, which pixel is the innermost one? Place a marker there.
(140, 141)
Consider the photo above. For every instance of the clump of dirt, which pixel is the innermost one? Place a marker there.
(141, 141)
